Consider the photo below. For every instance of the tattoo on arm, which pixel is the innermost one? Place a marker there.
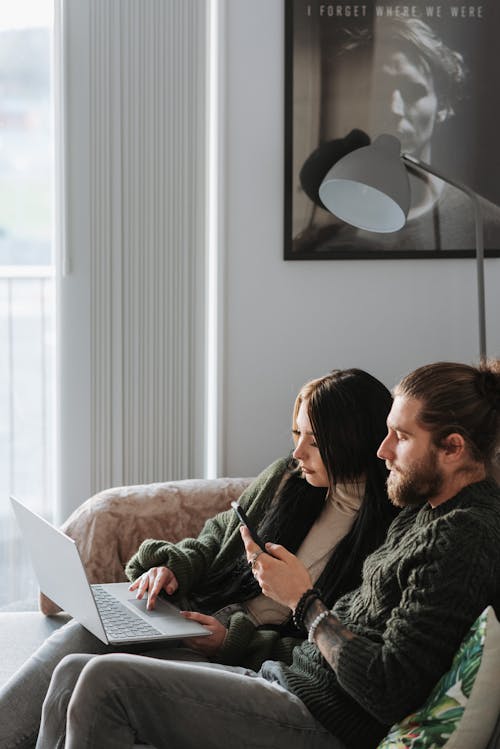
(330, 634)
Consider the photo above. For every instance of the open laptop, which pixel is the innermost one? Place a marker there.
(110, 611)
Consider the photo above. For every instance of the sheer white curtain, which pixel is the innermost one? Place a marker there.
(133, 108)
(27, 341)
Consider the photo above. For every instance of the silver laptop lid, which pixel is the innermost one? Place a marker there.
(59, 568)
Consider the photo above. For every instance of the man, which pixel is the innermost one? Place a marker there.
(376, 655)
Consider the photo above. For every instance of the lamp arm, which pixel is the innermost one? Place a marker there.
(479, 227)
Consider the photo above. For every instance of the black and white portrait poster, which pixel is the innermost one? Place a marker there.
(427, 73)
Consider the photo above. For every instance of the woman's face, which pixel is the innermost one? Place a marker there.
(306, 450)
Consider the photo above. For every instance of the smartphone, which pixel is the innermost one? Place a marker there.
(245, 521)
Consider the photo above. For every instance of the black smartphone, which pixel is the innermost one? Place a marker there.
(245, 521)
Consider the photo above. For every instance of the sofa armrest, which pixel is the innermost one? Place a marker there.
(109, 527)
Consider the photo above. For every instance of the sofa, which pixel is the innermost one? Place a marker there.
(109, 527)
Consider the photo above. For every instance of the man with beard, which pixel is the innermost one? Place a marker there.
(374, 657)
(425, 469)
(387, 643)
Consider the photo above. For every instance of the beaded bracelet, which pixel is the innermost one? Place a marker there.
(302, 606)
(315, 623)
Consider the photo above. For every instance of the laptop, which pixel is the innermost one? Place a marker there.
(110, 611)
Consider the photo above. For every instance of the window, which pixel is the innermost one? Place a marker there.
(27, 314)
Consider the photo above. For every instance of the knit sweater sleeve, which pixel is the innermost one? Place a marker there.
(249, 646)
(446, 582)
(218, 541)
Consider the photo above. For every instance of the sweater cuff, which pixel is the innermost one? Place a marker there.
(239, 633)
(153, 553)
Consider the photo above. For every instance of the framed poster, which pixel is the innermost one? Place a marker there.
(424, 72)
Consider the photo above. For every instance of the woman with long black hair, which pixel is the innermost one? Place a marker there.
(327, 503)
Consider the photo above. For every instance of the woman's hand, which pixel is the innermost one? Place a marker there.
(153, 581)
(279, 573)
(206, 645)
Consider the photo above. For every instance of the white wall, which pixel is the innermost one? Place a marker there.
(287, 322)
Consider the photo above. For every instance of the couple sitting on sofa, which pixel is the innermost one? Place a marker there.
(287, 663)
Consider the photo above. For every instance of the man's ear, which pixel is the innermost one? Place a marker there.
(453, 447)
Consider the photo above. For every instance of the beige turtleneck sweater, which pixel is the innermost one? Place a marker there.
(335, 522)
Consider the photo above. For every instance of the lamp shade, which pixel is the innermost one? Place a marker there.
(369, 188)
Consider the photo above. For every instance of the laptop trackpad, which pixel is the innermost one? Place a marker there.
(162, 608)
(166, 618)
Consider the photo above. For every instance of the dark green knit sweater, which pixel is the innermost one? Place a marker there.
(421, 591)
(193, 560)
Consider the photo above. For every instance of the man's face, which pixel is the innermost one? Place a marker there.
(404, 102)
(413, 461)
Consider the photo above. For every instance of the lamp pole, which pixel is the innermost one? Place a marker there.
(478, 219)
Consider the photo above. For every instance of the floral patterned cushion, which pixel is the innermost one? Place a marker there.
(463, 707)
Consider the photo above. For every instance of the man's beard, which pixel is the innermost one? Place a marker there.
(417, 485)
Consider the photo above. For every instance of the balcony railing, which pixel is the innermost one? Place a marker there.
(27, 425)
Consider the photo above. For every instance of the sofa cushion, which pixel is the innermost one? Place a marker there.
(21, 632)
(463, 707)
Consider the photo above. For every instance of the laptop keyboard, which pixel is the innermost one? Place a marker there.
(117, 620)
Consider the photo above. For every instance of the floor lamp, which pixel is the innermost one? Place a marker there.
(370, 189)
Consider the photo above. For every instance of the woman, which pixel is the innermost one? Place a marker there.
(332, 520)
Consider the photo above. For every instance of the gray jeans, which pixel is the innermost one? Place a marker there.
(21, 699)
(115, 700)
